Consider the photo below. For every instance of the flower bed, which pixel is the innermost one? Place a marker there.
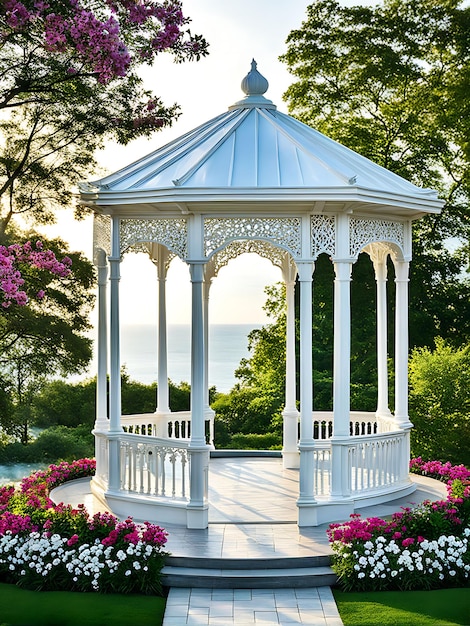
(45, 546)
(423, 547)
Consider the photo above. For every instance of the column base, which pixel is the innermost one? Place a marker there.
(290, 460)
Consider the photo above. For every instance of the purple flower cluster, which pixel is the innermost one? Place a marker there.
(93, 37)
(441, 471)
(16, 255)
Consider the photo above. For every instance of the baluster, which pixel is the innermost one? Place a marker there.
(184, 459)
(141, 452)
(173, 472)
(163, 474)
(149, 471)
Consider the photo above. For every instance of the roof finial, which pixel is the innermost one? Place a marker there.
(254, 84)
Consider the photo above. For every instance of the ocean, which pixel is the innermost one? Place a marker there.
(228, 344)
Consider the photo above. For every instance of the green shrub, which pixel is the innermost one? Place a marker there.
(253, 441)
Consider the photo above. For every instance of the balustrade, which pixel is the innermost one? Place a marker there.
(154, 468)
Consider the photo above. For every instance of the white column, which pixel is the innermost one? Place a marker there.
(115, 361)
(290, 414)
(341, 379)
(101, 427)
(401, 344)
(209, 414)
(342, 348)
(102, 423)
(380, 267)
(197, 507)
(163, 405)
(306, 498)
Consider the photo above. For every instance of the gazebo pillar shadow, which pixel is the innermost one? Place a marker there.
(255, 180)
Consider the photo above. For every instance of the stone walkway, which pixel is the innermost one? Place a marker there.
(248, 607)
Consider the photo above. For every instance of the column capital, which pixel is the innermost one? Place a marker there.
(343, 269)
(305, 270)
(402, 271)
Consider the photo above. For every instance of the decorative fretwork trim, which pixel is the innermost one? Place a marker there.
(363, 232)
(322, 234)
(101, 235)
(171, 232)
(284, 232)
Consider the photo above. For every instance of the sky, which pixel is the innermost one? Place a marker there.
(237, 32)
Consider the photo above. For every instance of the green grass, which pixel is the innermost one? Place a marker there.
(19, 607)
(443, 607)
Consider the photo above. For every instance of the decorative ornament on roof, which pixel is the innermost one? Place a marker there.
(254, 85)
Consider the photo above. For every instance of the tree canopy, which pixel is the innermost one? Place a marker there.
(391, 82)
(69, 79)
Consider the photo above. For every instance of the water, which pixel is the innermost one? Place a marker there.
(228, 344)
(13, 474)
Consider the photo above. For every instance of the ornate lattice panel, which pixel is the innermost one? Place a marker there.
(363, 232)
(101, 234)
(281, 231)
(322, 234)
(236, 248)
(171, 232)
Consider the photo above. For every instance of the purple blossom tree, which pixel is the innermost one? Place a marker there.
(68, 81)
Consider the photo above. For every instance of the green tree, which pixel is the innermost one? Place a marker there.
(69, 79)
(440, 403)
(390, 82)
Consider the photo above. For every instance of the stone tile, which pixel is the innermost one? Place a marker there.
(266, 617)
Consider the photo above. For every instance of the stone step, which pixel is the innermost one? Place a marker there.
(262, 573)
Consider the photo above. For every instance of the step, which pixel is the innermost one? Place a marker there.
(263, 573)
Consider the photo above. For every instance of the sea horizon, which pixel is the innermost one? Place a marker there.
(228, 345)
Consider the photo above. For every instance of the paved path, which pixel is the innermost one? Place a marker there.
(248, 607)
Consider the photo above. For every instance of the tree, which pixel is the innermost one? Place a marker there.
(391, 82)
(48, 336)
(440, 403)
(69, 80)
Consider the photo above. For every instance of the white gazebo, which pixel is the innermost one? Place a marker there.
(254, 179)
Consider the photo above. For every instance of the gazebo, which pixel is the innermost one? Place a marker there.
(254, 179)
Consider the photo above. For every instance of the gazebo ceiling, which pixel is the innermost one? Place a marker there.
(253, 157)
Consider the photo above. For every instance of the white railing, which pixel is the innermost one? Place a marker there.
(360, 423)
(159, 467)
(376, 462)
(322, 468)
(175, 425)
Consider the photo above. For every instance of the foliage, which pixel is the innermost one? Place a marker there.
(390, 82)
(56, 443)
(49, 546)
(439, 402)
(423, 547)
(69, 80)
(47, 336)
(254, 441)
(70, 404)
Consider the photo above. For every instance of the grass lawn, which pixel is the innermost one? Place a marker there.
(443, 607)
(19, 607)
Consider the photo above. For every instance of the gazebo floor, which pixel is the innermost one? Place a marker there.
(253, 512)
